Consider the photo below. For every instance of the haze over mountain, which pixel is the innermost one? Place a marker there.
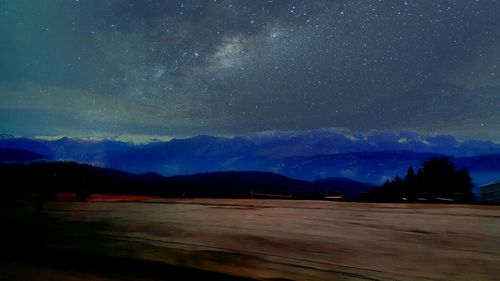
(308, 155)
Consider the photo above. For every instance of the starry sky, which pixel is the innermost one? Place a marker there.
(229, 67)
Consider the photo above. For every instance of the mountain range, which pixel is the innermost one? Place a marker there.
(309, 155)
(83, 180)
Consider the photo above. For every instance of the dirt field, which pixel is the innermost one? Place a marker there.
(276, 239)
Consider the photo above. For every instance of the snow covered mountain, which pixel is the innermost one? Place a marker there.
(307, 155)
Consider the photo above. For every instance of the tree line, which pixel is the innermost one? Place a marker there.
(438, 180)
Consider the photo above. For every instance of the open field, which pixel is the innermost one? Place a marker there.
(262, 239)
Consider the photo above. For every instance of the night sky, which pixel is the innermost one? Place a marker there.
(221, 67)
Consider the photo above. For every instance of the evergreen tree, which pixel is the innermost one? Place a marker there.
(438, 179)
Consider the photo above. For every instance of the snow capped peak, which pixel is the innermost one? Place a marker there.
(351, 137)
(425, 142)
(402, 140)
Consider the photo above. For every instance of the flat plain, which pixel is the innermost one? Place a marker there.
(260, 239)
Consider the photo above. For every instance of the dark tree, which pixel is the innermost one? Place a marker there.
(410, 184)
(437, 180)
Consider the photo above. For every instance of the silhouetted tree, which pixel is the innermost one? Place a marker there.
(410, 184)
(438, 179)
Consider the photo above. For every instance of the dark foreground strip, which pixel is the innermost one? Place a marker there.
(107, 266)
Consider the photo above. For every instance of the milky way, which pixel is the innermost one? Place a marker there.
(181, 68)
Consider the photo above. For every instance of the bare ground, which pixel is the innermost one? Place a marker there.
(274, 239)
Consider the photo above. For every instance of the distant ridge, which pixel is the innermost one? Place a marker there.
(84, 180)
(26, 144)
(12, 155)
(308, 155)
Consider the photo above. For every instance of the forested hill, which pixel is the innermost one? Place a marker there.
(49, 178)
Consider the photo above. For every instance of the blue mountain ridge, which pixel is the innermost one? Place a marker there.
(311, 155)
